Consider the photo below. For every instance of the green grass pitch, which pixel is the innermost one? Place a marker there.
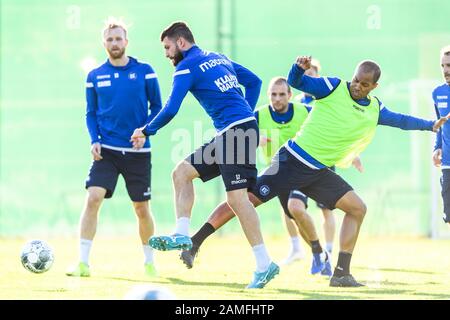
(392, 268)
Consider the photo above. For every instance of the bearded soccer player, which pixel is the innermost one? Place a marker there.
(119, 94)
(215, 81)
(441, 154)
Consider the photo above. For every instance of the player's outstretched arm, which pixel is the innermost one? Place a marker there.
(440, 122)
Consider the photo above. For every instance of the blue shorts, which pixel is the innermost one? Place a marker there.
(287, 173)
(135, 167)
(445, 192)
(231, 155)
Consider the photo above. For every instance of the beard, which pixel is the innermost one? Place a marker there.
(116, 54)
(177, 57)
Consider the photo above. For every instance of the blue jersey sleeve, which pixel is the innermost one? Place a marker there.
(256, 113)
(153, 93)
(251, 83)
(91, 109)
(182, 82)
(403, 121)
(438, 142)
(317, 87)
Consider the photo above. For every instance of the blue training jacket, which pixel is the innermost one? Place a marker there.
(441, 98)
(118, 102)
(215, 81)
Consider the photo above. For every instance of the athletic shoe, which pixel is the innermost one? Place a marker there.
(319, 262)
(327, 271)
(293, 256)
(174, 242)
(345, 281)
(150, 270)
(188, 257)
(260, 279)
(80, 270)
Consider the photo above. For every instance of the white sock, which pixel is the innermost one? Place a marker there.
(182, 226)
(329, 246)
(262, 257)
(296, 246)
(85, 249)
(148, 253)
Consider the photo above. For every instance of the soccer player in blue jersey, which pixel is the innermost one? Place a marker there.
(340, 126)
(215, 81)
(441, 154)
(119, 95)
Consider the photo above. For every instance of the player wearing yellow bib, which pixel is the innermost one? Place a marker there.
(340, 126)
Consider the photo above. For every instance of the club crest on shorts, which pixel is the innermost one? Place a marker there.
(264, 190)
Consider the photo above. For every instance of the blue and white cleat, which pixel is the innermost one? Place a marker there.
(174, 242)
(260, 279)
(319, 262)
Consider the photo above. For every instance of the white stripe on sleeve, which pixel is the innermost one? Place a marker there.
(151, 76)
(328, 83)
(89, 85)
(179, 72)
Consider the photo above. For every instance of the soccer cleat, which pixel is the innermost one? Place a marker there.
(345, 281)
(80, 270)
(174, 242)
(293, 256)
(319, 262)
(260, 279)
(188, 257)
(150, 270)
(327, 270)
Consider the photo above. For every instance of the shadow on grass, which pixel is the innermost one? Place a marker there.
(232, 285)
(397, 270)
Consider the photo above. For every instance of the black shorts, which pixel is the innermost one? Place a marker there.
(445, 192)
(320, 205)
(287, 173)
(231, 155)
(135, 167)
(293, 194)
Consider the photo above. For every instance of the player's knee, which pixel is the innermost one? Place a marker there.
(142, 212)
(360, 210)
(182, 172)
(236, 201)
(94, 199)
(297, 210)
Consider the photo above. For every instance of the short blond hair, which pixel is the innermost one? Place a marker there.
(445, 51)
(113, 23)
(278, 80)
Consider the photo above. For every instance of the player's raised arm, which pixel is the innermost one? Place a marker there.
(317, 87)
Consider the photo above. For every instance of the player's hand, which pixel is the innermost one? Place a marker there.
(439, 123)
(138, 139)
(358, 164)
(263, 140)
(304, 62)
(437, 157)
(96, 150)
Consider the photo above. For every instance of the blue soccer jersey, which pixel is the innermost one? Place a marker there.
(215, 81)
(441, 98)
(118, 102)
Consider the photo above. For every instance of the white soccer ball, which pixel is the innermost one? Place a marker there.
(37, 256)
(149, 292)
